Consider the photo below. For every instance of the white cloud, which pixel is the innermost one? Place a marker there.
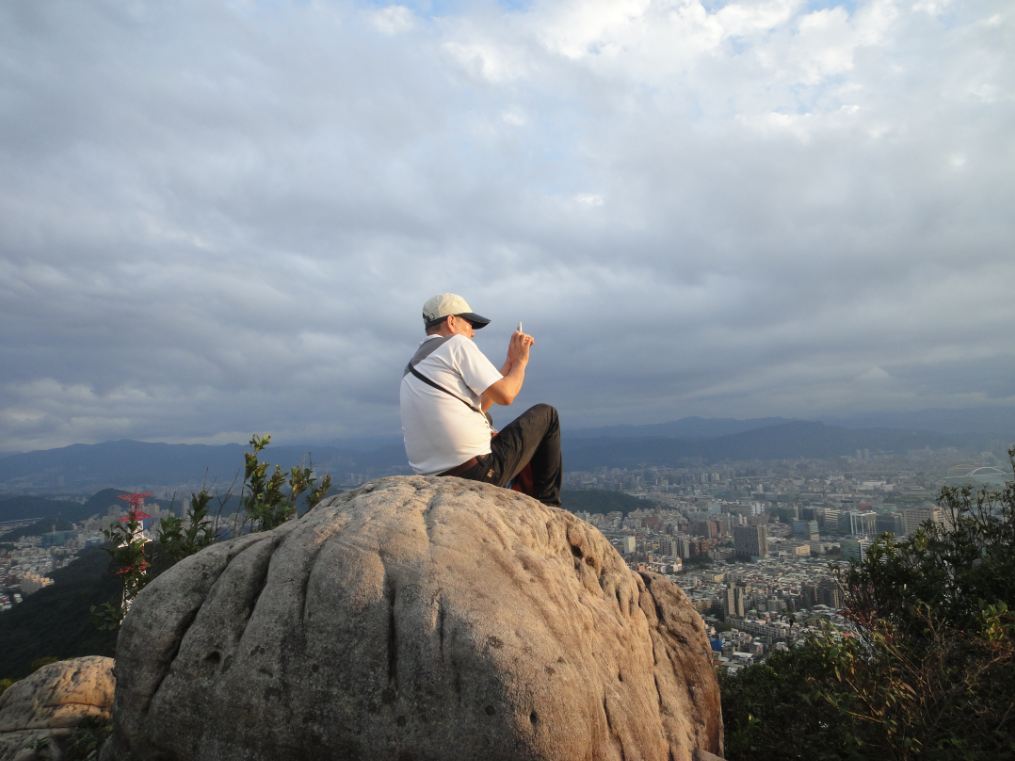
(956, 160)
(875, 375)
(393, 19)
(747, 19)
(224, 218)
(932, 7)
(825, 45)
(487, 61)
(514, 117)
(575, 29)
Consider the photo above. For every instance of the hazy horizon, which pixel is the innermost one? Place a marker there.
(985, 422)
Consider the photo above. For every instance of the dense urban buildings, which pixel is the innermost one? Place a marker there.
(756, 545)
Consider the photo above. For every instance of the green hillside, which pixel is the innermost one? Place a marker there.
(55, 621)
(602, 501)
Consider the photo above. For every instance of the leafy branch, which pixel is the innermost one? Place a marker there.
(271, 500)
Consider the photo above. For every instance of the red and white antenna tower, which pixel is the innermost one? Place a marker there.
(136, 500)
(135, 514)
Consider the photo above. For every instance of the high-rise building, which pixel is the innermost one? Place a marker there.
(855, 549)
(809, 513)
(830, 593)
(829, 518)
(734, 602)
(729, 604)
(706, 528)
(737, 508)
(750, 542)
(806, 530)
(893, 522)
(725, 524)
(630, 544)
(787, 513)
(914, 517)
(809, 594)
(856, 523)
(683, 543)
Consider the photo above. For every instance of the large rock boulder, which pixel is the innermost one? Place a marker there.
(415, 618)
(39, 714)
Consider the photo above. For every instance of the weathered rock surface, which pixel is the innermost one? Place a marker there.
(39, 713)
(416, 618)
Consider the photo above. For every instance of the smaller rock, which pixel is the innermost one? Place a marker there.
(39, 714)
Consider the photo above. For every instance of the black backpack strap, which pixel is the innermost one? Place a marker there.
(422, 353)
(425, 350)
(439, 387)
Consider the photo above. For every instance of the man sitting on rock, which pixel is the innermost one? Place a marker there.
(447, 388)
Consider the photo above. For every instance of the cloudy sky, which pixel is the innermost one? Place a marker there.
(220, 218)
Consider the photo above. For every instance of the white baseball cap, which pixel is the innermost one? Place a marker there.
(446, 304)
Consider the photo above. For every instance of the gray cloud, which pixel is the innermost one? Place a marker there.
(220, 219)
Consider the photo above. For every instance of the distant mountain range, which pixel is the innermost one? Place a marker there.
(133, 464)
(685, 428)
(64, 510)
(986, 421)
(125, 464)
(783, 441)
(992, 420)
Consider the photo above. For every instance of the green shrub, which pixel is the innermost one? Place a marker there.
(929, 671)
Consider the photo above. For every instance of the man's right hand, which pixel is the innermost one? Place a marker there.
(518, 348)
(506, 389)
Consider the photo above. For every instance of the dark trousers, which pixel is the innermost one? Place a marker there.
(533, 438)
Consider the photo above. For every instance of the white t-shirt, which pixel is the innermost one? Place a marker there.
(440, 432)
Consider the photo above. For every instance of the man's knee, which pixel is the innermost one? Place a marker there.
(545, 412)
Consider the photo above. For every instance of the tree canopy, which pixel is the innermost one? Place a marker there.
(928, 670)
